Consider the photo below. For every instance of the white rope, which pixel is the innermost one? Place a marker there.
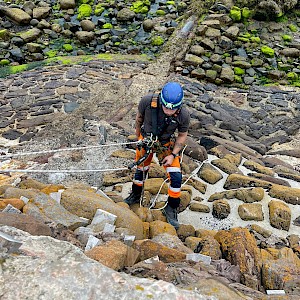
(59, 171)
(155, 199)
(5, 156)
(192, 175)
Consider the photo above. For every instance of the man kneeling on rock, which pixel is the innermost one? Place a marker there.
(159, 116)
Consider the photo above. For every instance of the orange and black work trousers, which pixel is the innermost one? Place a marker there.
(173, 172)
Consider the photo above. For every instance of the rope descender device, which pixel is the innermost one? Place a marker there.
(146, 144)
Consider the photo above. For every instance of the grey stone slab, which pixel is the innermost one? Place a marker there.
(9, 242)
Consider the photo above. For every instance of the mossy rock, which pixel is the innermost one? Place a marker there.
(99, 9)
(140, 7)
(157, 40)
(293, 28)
(4, 62)
(51, 53)
(235, 14)
(160, 12)
(255, 39)
(238, 79)
(107, 26)
(292, 76)
(4, 34)
(238, 71)
(68, 47)
(287, 38)
(84, 10)
(171, 3)
(246, 13)
(267, 51)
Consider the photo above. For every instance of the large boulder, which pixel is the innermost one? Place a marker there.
(239, 247)
(73, 275)
(85, 204)
(17, 15)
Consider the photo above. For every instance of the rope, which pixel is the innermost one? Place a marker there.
(5, 156)
(59, 171)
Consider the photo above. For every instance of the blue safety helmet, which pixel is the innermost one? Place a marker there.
(171, 95)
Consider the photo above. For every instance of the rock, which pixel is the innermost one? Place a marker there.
(235, 159)
(125, 14)
(4, 34)
(227, 74)
(42, 256)
(25, 223)
(270, 179)
(87, 25)
(185, 199)
(290, 52)
(191, 59)
(293, 240)
(199, 207)
(153, 185)
(30, 183)
(112, 254)
(250, 195)
(264, 232)
(110, 179)
(198, 185)
(204, 285)
(207, 43)
(171, 241)
(148, 25)
(221, 195)
(221, 209)
(232, 31)
(282, 272)
(210, 247)
(159, 227)
(258, 168)
(148, 249)
(239, 247)
(17, 203)
(235, 181)
(194, 150)
(280, 215)
(226, 166)
(84, 36)
(12, 192)
(212, 33)
(212, 23)
(67, 4)
(219, 151)
(17, 15)
(41, 12)
(209, 174)
(197, 50)
(251, 212)
(287, 194)
(54, 211)
(85, 204)
(30, 35)
(34, 47)
(185, 231)
(235, 147)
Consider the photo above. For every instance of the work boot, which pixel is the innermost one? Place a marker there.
(135, 195)
(170, 211)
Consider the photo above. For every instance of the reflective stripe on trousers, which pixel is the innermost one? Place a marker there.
(173, 173)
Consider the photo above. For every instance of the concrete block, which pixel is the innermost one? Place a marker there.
(11, 209)
(199, 257)
(91, 243)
